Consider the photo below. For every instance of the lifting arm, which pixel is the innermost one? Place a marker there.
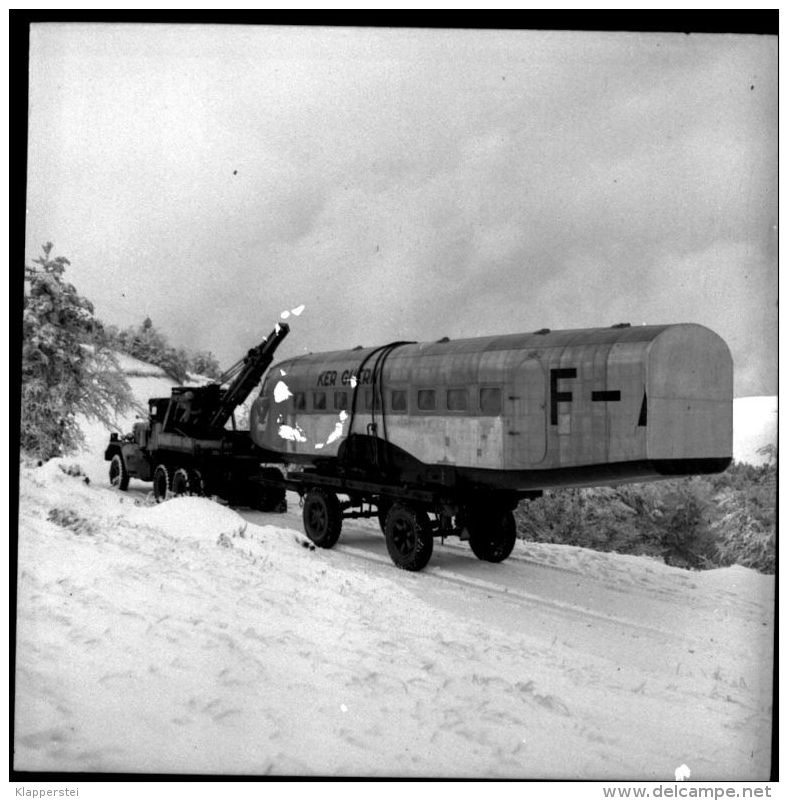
(255, 364)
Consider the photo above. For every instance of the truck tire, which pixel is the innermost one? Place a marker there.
(196, 483)
(492, 535)
(118, 474)
(408, 537)
(181, 482)
(322, 517)
(270, 498)
(162, 483)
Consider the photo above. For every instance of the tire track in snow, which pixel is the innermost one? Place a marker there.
(656, 585)
(681, 585)
(526, 598)
(370, 551)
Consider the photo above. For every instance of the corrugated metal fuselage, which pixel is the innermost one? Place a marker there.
(521, 411)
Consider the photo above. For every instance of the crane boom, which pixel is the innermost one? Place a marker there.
(255, 364)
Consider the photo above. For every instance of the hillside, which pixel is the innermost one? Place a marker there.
(190, 637)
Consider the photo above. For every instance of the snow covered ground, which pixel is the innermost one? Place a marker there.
(189, 637)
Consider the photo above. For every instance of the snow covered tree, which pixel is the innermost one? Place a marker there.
(204, 363)
(148, 344)
(67, 366)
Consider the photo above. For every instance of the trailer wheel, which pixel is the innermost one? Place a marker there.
(118, 474)
(492, 536)
(322, 518)
(408, 537)
(383, 512)
(161, 483)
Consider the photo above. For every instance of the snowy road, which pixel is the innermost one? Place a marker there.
(567, 587)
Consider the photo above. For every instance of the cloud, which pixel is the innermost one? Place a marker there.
(409, 184)
(726, 287)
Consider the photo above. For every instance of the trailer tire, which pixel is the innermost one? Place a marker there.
(408, 537)
(492, 536)
(118, 474)
(322, 518)
(162, 483)
(384, 506)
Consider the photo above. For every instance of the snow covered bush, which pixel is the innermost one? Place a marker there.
(744, 536)
(621, 519)
(67, 367)
(72, 469)
(68, 518)
(699, 522)
(685, 534)
(205, 363)
(745, 527)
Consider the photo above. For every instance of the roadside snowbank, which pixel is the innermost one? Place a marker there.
(191, 518)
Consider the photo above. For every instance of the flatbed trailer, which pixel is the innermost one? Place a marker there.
(410, 516)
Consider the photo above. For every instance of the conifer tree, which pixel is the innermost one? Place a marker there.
(67, 366)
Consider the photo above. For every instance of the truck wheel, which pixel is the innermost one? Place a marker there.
(270, 498)
(181, 482)
(322, 518)
(492, 536)
(118, 474)
(408, 537)
(196, 483)
(161, 483)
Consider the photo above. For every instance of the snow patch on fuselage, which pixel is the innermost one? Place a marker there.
(282, 392)
(294, 433)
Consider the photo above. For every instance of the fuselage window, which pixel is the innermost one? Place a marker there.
(340, 400)
(457, 400)
(369, 397)
(318, 400)
(490, 400)
(299, 401)
(263, 404)
(426, 400)
(399, 400)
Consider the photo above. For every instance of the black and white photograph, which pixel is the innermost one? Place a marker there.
(397, 403)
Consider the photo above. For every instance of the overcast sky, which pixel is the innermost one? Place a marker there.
(409, 184)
